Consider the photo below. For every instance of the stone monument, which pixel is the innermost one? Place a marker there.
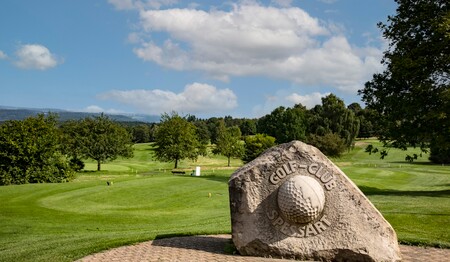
(293, 202)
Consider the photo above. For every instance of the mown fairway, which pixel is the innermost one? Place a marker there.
(63, 222)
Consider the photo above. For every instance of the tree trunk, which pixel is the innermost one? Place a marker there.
(98, 165)
(229, 161)
(176, 163)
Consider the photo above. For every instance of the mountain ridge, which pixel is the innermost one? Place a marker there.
(20, 113)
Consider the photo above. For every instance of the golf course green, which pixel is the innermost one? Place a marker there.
(64, 222)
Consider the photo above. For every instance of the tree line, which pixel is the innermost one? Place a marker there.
(331, 126)
(41, 149)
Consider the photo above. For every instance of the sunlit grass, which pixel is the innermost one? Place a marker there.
(63, 222)
(413, 197)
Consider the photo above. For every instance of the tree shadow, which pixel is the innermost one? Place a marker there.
(392, 192)
(210, 244)
(223, 179)
(416, 162)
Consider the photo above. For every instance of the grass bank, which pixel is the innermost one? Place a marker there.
(63, 222)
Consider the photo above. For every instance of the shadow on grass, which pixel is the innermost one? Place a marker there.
(418, 163)
(223, 179)
(392, 192)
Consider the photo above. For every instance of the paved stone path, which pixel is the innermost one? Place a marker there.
(211, 248)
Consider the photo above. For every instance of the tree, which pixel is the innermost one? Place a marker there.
(285, 124)
(203, 136)
(175, 139)
(229, 143)
(72, 140)
(412, 95)
(248, 127)
(367, 120)
(332, 117)
(214, 125)
(104, 140)
(30, 152)
(255, 145)
(141, 133)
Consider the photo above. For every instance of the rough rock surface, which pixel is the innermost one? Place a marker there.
(326, 219)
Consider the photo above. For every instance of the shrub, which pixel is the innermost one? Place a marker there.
(255, 145)
(330, 144)
(76, 164)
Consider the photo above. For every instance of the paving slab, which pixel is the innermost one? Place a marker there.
(212, 248)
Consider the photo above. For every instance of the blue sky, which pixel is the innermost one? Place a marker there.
(206, 58)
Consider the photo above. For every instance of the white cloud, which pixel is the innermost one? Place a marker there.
(2, 55)
(98, 109)
(287, 98)
(195, 98)
(251, 39)
(93, 109)
(35, 57)
(309, 101)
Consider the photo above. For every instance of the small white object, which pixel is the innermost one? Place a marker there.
(197, 171)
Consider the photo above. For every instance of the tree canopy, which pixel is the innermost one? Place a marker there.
(255, 145)
(229, 143)
(30, 152)
(411, 96)
(285, 124)
(175, 139)
(330, 126)
(98, 138)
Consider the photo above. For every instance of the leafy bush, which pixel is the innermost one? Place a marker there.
(76, 164)
(255, 145)
(29, 152)
(330, 144)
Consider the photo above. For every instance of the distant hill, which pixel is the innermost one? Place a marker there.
(13, 113)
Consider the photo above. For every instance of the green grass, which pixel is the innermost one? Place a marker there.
(63, 222)
(413, 197)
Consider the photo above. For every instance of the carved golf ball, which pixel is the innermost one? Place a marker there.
(301, 199)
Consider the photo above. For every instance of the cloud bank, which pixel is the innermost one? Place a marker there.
(250, 39)
(195, 98)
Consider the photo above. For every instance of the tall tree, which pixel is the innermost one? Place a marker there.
(332, 117)
(104, 140)
(285, 124)
(229, 143)
(175, 139)
(30, 152)
(412, 95)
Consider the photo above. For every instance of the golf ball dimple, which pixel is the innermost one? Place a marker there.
(301, 199)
